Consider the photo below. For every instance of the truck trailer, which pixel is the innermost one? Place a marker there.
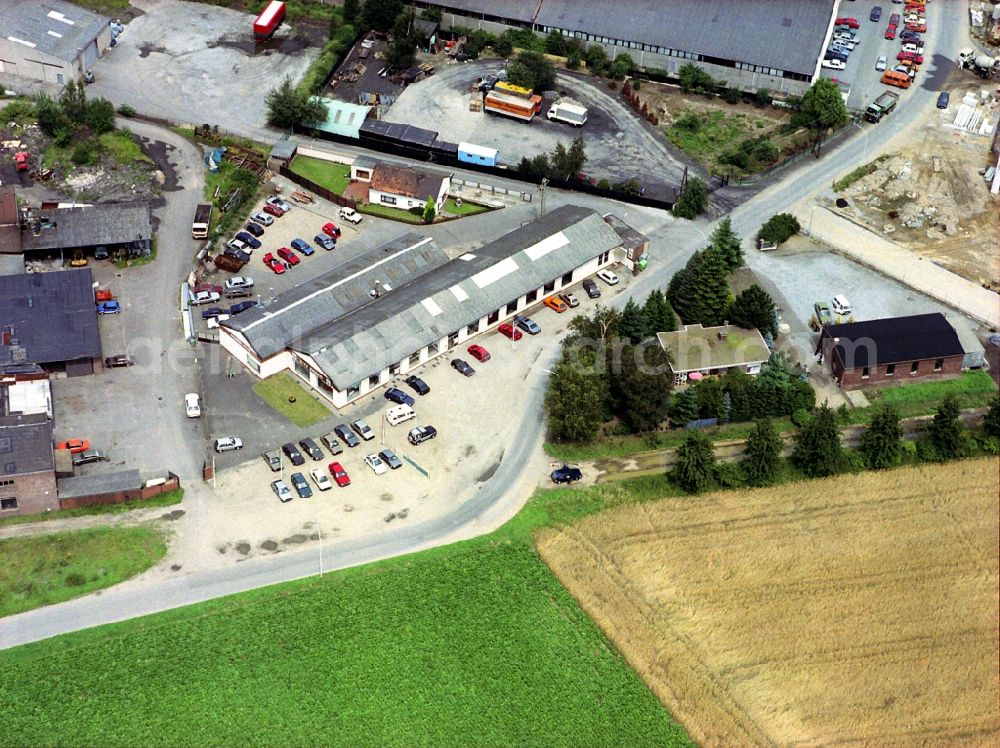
(269, 20)
(882, 106)
(571, 114)
(202, 218)
(512, 106)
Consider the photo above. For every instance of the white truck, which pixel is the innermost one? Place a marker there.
(568, 112)
(982, 65)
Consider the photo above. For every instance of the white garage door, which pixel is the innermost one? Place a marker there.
(90, 55)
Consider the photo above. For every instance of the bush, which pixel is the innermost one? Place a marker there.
(693, 78)
(731, 95)
(84, 153)
(21, 111)
(693, 199)
(779, 228)
(126, 111)
(729, 475)
(800, 417)
(762, 97)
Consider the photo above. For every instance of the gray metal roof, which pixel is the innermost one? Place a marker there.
(88, 485)
(48, 317)
(520, 10)
(113, 223)
(54, 27)
(629, 236)
(449, 297)
(26, 444)
(284, 149)
(309, 308)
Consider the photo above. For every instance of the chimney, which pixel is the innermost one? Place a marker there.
(724, 330)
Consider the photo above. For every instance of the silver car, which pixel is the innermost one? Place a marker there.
(281, 490)
(262, 218)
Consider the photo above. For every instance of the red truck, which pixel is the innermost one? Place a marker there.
(21, 161)
(269, 20)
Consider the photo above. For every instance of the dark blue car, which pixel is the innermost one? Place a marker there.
(109, 307)
(242, 306)
(212, 311)
(398, 396)
(302, 247)
(566, 474)
(252, 241)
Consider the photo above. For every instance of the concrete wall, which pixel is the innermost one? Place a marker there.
(34, 493)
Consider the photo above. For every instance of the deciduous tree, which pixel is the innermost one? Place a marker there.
(288, 108)
(991, 421)
(532, 70)
(575, 400)
(822, 107)
(381, 14)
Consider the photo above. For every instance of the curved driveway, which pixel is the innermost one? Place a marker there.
(501, 497)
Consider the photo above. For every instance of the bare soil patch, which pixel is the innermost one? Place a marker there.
(859, 609)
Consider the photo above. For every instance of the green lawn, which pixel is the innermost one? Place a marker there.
(304, 411)
(164, 499)
(473, 644)
(973, 389)
(396, 214)
(335, 177)
(122, 147)
(451, 208)
(707, 135)
(47, 569)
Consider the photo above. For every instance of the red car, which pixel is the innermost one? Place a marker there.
(920, 28)
(274, 210)
(890, 31)
(331, 230)
(288, 256)
(210, 287)
(911, 57)
(479, 353)
(340, 475)
(852, 22)
(276, 265)
(506, 328)
(75, 446)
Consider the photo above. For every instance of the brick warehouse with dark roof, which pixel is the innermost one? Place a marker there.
(893, 349)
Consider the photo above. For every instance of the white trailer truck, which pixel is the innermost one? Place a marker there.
(568, 112)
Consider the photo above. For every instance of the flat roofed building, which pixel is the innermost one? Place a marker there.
(713, 350)
(349, 331)
(119, 227)
(50, 40)
(27, 465)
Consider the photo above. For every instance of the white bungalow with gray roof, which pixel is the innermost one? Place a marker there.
(385, 313)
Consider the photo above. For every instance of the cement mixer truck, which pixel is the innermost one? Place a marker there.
(982, 65)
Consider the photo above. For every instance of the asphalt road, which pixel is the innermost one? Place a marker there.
(496, 498)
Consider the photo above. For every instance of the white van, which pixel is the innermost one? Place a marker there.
(399, 414)
(841, 305)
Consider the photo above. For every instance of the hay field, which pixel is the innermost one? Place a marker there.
(857, 609)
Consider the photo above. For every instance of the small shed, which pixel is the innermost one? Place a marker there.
(471, 153)
(362, 169)
(103, 488)
(281, 154)
(974, 353)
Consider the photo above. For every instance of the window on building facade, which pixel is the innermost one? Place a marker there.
(394, 370)
(8, 503)
(865, 373)
(326, 385)
(301, 369)
(512, 307)
(387, 199)
(353, 391)
(452, 339)
(938, 364)
(914, 367)
(890, 370)
(373, 380)
(494, 316)
(531, 297)
(253, 364)
(473, 328)
(550, 287)
(6, 482)
(415, 358)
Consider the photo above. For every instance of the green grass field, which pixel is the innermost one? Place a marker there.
(474, 644)
(451, 208)
(47, 569)
(335, 177)
(304, 411)
(386, 211)
(973, 389)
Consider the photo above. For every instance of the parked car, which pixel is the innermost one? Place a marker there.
(262, 218)
(326, 242)
(88, 456)
(350, 215)
(566, 474)
(114, 362)
(228, 443)
(319, 478)
(249, 239)
(846, 21)
(390, 459)
(479, 353)
(278, 202)
(331, 230)
(527, 324)
(274, 210)
(942, 100)
(237, 282)
(340, 476)
(608, 277)
(293, 454)
(421, 434)
(276, 265)
(890, 31)
(555, 304)
(330, 442)
(281, 490)
(914, 57)
(109, 307)
(288, 256)
(238, 254)
(74, 445)
(910, 36)
(569, 299)
(362, 429)
(591, 288)
(507, 329)
(204, 297)
(376, 464)
(242, 306)
(273, 459)
(240, 245)
(311, 448)
(300, 245)
(210, 287)
(213, 322)
(192, 405)
(823, 314)
(462, 367)
(398, 396)
(834, 64)
(254, 228)
(212, 311)
(913, 47)
(841, 305)
(881, 62)
(301, 485)
(346, 435)
(417, 384)
(916, 26)
(876, 13)
(894, 19)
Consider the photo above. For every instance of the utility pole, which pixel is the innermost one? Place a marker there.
(541, 201)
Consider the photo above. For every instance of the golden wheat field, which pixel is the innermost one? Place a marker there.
(858, 609)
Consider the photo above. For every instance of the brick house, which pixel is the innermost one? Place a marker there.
(883, 351)
(27, 465)
(406, 187)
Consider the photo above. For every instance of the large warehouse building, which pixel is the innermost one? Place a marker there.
(349, 331)
(50, 40)
(754, 44)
